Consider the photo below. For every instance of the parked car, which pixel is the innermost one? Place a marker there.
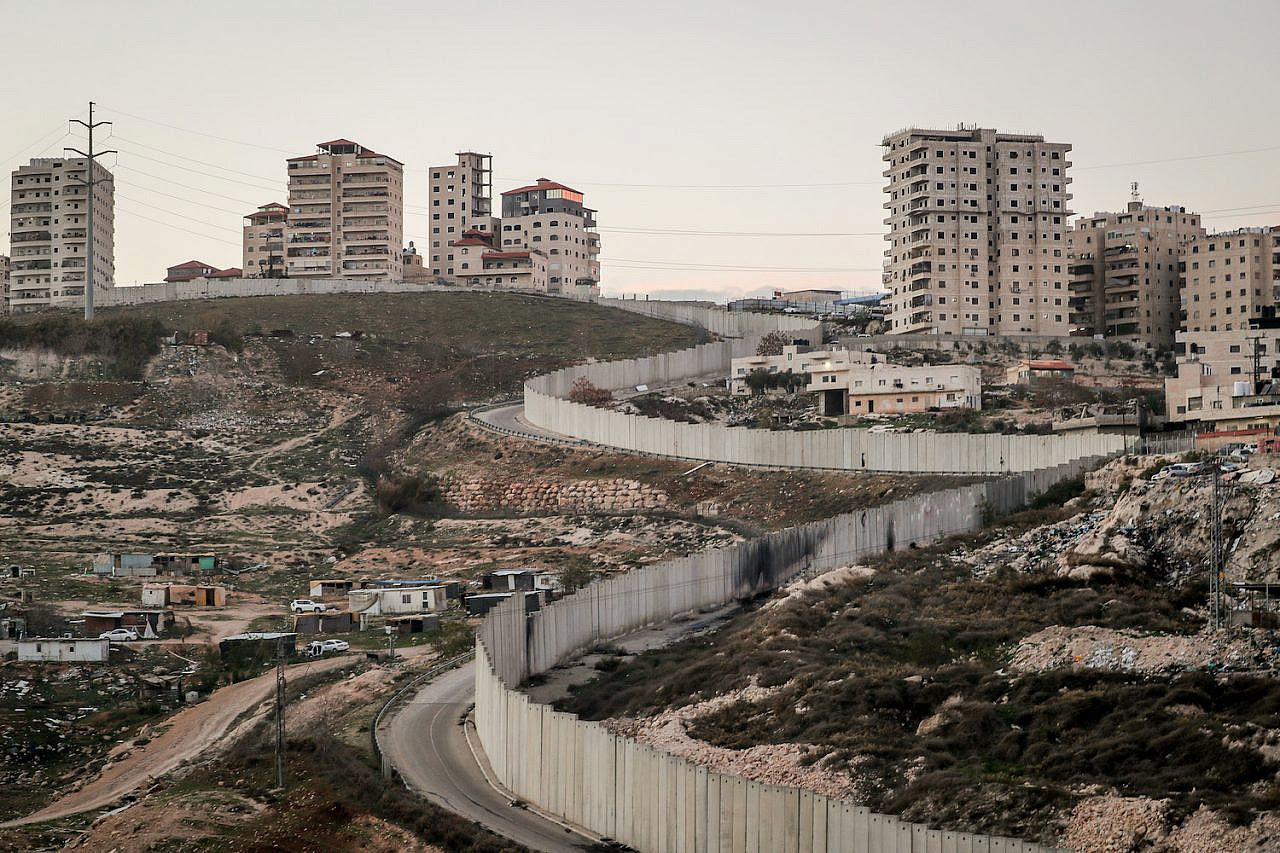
(119, 635)
(306, 605)
(322, 647)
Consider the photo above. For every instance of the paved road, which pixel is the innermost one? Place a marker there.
(425, 743)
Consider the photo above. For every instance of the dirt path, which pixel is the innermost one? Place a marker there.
(189, 733)
(337, 418)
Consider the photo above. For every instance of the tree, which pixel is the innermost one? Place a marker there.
(772, 344)
(583, 391)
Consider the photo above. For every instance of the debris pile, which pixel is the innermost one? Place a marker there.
(1128, 651)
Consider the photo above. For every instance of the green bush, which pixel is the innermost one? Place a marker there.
(126, 343)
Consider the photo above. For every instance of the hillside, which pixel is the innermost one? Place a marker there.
(307, 455)
(1047, 678)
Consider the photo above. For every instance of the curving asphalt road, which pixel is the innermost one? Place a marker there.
(428, 746)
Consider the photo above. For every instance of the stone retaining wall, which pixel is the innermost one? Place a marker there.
(482, 496)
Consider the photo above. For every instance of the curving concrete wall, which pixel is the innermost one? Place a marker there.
(653, 801)
(836, 449)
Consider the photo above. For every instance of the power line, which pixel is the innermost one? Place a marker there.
(657, 232)
(198, 132)
(175, 213)
(189, 170)
(176, 227)
(186, 186)
(1180, 159)
(192, 159)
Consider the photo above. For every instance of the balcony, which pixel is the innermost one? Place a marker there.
(919, 285)
(73, 263)
(369, 250)
(29, 207)
(74, 234)
(365, 207)
(30, 237)
(1117, 251)
(921, 268)
(22, 266)
(367, 238)
(365, 179)
(309, 238)
(310, 223)
(310, 181)
(309, 253)
(921, 318)
(922, 299)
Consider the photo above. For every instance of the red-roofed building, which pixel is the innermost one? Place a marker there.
(346, 214)
(1030, 369)
(550, 217)
(189, 270)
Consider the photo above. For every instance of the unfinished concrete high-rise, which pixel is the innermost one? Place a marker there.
(48, 233)
(1231, 278)
(977, 232)
(461, 200)
(346, 213)
(1124, 272)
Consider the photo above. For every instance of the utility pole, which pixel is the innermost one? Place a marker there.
(1217, 555)
(280, 685)
(90, 183)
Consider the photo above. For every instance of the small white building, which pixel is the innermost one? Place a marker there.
(797, 359)
(64, 650)
(397, 601)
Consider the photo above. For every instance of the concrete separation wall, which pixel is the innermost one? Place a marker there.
(145, 294)
(653, 801)
(835, 449)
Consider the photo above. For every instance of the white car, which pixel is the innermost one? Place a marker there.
(322, 647)
(119, 635)
(306, 605)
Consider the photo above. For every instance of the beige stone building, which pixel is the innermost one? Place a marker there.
(522, 270)
(1230, 279)
(461, 200)
(265, 233)
(48, 233)
(414, 268)
(977, 232)
(1227, 379)
(1124, 272)
(346, 214)
(551, 218)
(4, 284)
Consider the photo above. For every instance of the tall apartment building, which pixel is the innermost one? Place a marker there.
(1231, 278)
(977, 232)
(1124, 272)
(461, 200)
(346, 213)
(4, 284)
(48, 233)
(551, 218)
(265, 232)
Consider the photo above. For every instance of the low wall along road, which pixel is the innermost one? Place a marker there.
(652, 801)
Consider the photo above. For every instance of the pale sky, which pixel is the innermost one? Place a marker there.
(760, 119)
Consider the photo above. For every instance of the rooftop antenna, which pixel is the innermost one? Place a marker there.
(1133, 192)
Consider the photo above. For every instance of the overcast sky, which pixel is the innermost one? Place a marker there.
(760, 119)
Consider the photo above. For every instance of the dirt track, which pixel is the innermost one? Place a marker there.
(189, 733)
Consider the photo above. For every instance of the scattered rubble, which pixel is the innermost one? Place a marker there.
(479, 495)
(1129, 651)
(773, 764)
